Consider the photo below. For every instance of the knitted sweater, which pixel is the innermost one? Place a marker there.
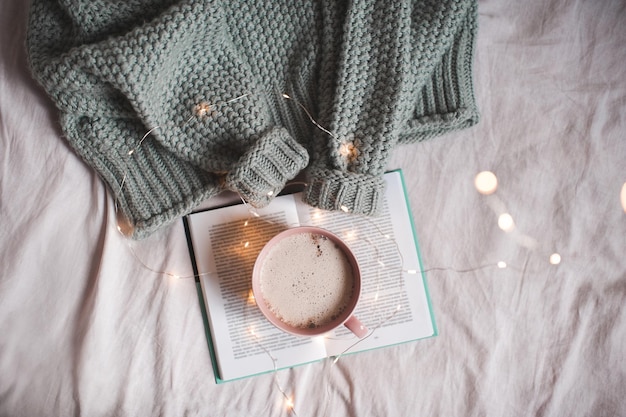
(174, 101)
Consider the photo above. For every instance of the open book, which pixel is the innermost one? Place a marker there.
(225, 242)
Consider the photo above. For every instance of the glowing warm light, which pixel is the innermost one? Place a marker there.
(245, 223)
(202, 109)
(251, 329)
(251, 299)
(505, 222)
(350, 235)
(270, 193)
(289, 402)
(286, 96)
(623, 197)
(319, 339)
(555, 259)
(124, 226)
(245, 245)
(348, 151)
(317, 214)
(344, 209)
(501, 264)
(486, 182)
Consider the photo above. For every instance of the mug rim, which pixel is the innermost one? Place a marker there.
(258, 293)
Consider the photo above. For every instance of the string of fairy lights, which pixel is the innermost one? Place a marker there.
(485, 182)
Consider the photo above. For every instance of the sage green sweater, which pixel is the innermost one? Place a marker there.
(174, 101)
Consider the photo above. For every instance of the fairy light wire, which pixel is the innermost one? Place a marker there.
(306, 111)
(253, 214)
(196, 112)
(205, 109)
(288, 400)
(371, 332)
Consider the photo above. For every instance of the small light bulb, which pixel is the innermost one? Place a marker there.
(344, 209)
(270, 193)
(202, 109)
(555, 259)
(486, 182)
(505, 222)
(501, 264)
(289, 403)
(350, 235)
(245, 245)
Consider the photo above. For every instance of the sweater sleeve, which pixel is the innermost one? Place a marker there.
(403, 75)
(160, 103)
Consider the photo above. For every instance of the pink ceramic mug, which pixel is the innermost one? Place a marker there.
(308, 275)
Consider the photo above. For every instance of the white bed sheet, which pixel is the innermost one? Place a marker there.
(86, 329)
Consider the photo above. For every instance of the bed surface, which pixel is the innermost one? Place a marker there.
(89, 327)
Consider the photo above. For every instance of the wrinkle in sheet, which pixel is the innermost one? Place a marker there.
(530, 339)
(572, 355)
(86, 307)
(39, 338)
(342, 388)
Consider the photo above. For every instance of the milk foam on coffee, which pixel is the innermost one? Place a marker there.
(306, 280)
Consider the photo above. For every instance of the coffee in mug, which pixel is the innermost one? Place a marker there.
(306, 281)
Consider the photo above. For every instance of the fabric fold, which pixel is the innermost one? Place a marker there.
(263, 171)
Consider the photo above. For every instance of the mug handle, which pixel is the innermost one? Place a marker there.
(356, 327)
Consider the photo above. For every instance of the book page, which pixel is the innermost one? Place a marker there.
(394, 303)
(226, 243)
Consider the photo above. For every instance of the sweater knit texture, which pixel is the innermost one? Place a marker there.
(174, 101)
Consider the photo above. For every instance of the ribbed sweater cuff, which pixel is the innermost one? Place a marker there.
(262, 172)
(350, 192)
